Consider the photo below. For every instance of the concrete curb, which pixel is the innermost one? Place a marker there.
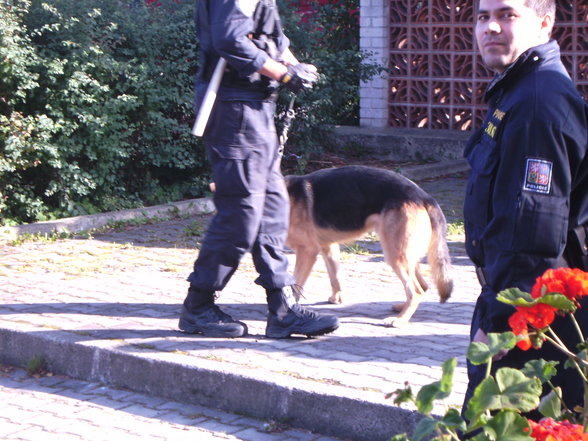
(320, 409)
(94, 221)
(434, 170)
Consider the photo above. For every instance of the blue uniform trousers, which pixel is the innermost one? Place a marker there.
(252, 205)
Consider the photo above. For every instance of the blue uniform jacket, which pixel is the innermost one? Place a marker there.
(529, 178)
(245, 33)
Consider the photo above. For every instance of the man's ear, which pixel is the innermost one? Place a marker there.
(547, 23)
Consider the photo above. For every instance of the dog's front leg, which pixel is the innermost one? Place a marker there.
(305, 260)
(330, 255)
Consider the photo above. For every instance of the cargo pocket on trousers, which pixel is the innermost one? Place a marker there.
(230, 169)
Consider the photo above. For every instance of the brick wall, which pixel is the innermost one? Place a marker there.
(375, 38)
(437, 77)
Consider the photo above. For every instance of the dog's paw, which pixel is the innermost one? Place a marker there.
(395, 322)
(335, 299)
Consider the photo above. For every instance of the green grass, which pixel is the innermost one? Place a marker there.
(36, 366)
(455, 228)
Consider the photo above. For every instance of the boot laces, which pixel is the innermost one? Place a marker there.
(221, 316)
(302, 312)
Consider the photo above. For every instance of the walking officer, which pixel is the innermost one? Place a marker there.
(252, 206)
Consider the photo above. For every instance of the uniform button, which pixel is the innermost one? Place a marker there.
(474, 243)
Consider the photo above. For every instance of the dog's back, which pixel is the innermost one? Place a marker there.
(343, 198)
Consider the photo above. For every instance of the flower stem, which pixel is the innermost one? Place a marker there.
(577, 326)
(575, 359)
(488, 368)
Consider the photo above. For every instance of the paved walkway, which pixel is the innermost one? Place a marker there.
(104, 309)
(57, 408)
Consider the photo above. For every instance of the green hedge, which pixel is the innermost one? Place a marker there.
(96, 102)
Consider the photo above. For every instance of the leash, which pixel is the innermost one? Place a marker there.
(290, 114)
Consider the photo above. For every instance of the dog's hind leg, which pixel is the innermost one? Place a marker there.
(330, 255)
(420, 278)
(404, 234)
(414, 296)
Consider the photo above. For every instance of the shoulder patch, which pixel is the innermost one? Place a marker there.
(247, 7)
(538, 176)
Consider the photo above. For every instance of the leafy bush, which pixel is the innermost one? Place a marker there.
(325, 34)
(96, 100)
(96, 104)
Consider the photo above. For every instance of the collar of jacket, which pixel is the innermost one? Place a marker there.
(525, 62)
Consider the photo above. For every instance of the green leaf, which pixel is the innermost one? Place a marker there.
(544, 370)
(481, 437)
(484, 398)
(401, 437)
(558, 301)
(515, 297)
(453, 420)
(550, 405)
(402, 395)
(508, 426)
(511, 390)
(519, 392)
(475, 425)
(424, 428)
(482, 353)
(437, 390)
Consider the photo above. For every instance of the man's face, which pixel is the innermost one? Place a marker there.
(507, 28)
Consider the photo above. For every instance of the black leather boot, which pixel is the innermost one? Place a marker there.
(201, 316)
(287, 317)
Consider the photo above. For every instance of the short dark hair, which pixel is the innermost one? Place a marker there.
(542, 7)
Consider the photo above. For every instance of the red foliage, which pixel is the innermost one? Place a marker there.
(307, 8)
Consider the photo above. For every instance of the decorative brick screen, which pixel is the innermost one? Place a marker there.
(437, 79)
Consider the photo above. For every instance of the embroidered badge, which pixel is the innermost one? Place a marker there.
(538, 176)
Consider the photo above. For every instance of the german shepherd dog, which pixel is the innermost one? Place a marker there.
(338, 205)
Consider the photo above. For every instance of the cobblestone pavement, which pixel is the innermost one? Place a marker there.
(57, 408)
(121, 291)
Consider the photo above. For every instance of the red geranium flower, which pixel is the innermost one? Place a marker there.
(519, 324)
(571, 282)
(549, 430)
(539, 316)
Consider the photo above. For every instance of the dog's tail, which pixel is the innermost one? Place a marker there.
(438, 254)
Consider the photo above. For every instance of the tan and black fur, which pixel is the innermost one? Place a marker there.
(338, 205)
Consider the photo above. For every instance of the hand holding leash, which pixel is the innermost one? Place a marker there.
(299, 77)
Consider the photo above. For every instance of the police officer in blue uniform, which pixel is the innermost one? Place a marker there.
(252, 206)
(526, 204)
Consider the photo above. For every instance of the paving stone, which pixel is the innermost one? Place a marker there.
(105, 309)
